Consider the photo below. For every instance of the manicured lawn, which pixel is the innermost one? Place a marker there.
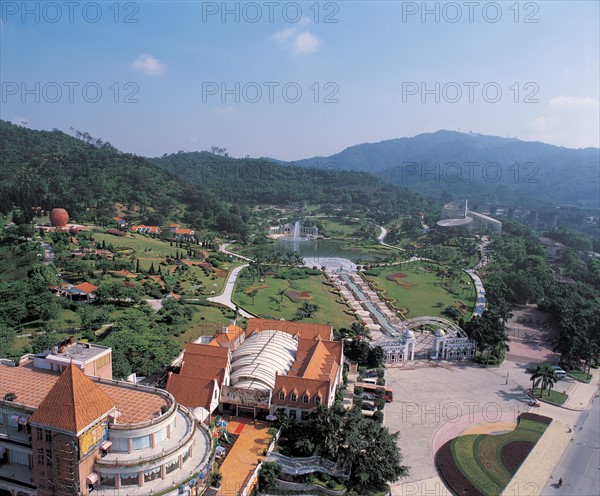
(484, 464)
(274, 298)
(144, 246)
(555, 397)
(419, 289)
(336, 227)
(580, 376)
(206, 322)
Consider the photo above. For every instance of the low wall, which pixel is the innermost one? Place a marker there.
(312, 488)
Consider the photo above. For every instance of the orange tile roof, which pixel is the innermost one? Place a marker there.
(86, 287)
(191, 391)
(31, 386)
(300, 386)
(181, 230)
(205, 349)
(233, 333)
(316, 359)
(73, 403)
(299, 329)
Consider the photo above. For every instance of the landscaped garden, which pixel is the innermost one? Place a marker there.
(422, 288)
(293, 294)
(484, 464)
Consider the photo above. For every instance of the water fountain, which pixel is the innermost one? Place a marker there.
(295, 234)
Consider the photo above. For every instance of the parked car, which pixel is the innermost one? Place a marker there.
(558, 372)
(368, 406)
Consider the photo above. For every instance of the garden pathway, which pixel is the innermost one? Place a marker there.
(225, 297)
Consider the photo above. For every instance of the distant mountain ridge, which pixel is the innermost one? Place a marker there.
(491, 167)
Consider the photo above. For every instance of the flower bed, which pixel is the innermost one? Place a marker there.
(485, 463)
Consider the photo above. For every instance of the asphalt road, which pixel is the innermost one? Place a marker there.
(580, 465)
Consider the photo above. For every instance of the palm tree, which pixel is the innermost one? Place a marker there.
(359, 330)
(542, 374)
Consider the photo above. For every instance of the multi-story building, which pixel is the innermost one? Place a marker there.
(273, 365)
(63, 432)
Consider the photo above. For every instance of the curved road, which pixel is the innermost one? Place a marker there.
(225, 297)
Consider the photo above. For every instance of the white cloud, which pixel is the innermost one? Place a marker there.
(306, 42)
(148, 65)
(193, 139)
(297, 40)
(284, 35)
(573, 101)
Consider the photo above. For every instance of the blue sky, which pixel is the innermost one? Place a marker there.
(295, 79)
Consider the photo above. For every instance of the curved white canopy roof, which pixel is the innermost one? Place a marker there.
(255, 363)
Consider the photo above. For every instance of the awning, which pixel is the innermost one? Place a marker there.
(23, 420)
(105, 445)
(14, 418)
(92, 478)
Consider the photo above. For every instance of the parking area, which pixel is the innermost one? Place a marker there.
(430, 396)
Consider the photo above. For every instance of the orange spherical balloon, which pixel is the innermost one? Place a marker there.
(59, 217)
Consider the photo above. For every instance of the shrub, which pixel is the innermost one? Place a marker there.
(378, 416)
(358, 390)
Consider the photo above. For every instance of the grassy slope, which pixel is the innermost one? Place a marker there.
(330, 311)
(425, 291)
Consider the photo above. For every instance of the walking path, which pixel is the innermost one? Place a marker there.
(382, 236)
(225, 297)
(243, 458)
(480, 290)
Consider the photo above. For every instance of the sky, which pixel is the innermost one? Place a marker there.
(292, 80)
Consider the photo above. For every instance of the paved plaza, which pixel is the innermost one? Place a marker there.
(440, 399)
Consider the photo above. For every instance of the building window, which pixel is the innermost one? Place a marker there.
(42, 481)
(40, 453)
(317, 400)
(39, 434)
(281, 395)
(160, 436)
(130, 479)
(120, 445)
(48, 436)
(293, 397)
(19, 458)
(170, 467)
(152, 474)
(305, 398)
(186, 456)
(292, 414)
(49, 458)
(13, 421)
(107, 480)
(141, 442)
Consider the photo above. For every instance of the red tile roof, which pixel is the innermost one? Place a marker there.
(73, 403)
(317, 359)
(201, 366)
(183, 231)
(232, 334)
(298, 329)
(32, 385)
(300, 386)
(191, 391)
(86, 287)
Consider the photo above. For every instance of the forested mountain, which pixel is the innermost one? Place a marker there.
(261, 181)
(94, 181)
(528, 173)
(53, 169)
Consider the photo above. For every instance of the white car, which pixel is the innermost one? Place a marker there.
(558, 372)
